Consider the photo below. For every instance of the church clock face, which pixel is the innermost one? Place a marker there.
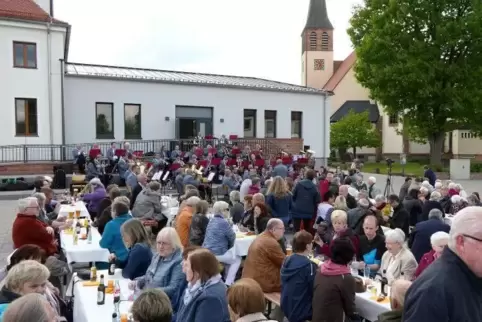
(319, 64)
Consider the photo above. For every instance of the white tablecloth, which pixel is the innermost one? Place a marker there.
(83, 252)
(369, 309)
(79, 205)
(241, 245)
(85, 300)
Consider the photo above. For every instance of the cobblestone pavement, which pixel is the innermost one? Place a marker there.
(8, 212)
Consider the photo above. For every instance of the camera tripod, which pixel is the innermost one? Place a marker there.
(388, 185)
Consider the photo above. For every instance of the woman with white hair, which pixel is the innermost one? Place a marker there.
(165, 270)
(457, 203)
(438, 240)
(94, 197)
(398, 262)
(220, 238)
(28, 276)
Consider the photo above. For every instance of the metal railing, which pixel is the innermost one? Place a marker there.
(64, 153)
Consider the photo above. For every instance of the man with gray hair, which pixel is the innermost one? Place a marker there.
(450, 288)
(280, 169)
(397, 299)
(373, 191)
(419, 241)
(28, 308)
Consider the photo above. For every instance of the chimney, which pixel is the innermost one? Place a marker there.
(47, 6)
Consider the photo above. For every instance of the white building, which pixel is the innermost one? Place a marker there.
(48, 100)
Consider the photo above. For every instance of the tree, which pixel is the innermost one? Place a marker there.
(422, 60)
(354, 131)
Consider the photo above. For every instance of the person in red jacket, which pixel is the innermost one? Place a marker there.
(339, 221)
(324, 184)
(28, 229)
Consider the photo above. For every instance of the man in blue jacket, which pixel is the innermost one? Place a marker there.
(430, 175)
(305, 201)
(450, 289)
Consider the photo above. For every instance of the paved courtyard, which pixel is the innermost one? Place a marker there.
(468, 185)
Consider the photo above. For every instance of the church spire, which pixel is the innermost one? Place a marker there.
(318, 16)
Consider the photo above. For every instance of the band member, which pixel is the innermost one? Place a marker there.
(127, 148)
(79, 158)
(94, 168)
(176, 153)
(163, 154)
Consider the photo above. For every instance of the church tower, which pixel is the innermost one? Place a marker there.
(317, 46)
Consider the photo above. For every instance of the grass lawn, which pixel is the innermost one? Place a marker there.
(412, 169)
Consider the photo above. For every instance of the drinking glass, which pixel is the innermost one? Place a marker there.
(77, 213)
(366, 272)
(71, 214)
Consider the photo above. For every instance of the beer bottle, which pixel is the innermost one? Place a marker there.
(76, 238)
(89, 234)
(101, 291)
(93, 273)
(114, 317)
(111, 267)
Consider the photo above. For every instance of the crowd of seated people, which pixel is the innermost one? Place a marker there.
(424, 259)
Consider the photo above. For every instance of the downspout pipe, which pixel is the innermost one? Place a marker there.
(62, 107)
(49, 82)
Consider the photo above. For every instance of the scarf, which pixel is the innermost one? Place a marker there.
(193, 290)
(329, 268)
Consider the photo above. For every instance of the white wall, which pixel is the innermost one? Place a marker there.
(159, 100)
(30, 83)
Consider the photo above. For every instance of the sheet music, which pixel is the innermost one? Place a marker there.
(211, 176)
(166, 175)
(157, 176)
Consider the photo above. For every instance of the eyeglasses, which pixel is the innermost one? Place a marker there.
(473, 238)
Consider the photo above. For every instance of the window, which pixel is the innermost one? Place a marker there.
(325, 40)
(269, 124)
(393, 119)
(319, 64)
(104, 120)
(24, 55)
(468, 135)
(132, 121)
(296, 124)
(313, 40)
(249, 123)
(26, 117)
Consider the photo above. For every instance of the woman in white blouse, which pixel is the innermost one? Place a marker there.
(398, 261)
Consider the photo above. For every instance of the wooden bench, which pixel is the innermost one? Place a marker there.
(272, 298)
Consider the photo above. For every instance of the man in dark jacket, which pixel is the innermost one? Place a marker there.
(297, 278)
(430, 175)
(419, 241)
(404, 188)
(305, 201)
(400, 216)
(450, 289)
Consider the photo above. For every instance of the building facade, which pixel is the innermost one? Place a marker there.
(51, 101)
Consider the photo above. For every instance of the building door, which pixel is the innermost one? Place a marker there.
(189, 128)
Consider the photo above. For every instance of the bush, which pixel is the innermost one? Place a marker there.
(475, 167)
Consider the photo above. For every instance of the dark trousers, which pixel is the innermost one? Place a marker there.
(306, 224)
(206, 192)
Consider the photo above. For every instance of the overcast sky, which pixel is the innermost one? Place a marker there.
(258, 38)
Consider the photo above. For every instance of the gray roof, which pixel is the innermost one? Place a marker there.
(318, 16)
(357, 107)
(184, 78)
